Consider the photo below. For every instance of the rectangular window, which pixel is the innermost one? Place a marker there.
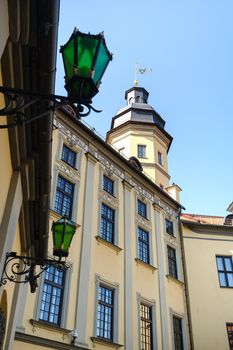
(225, 271)
(142, 209)
(143, 245)
(160, 158)
(230, 334)
(107, 223)
(169, 227)
(52, 294)
(68, 156)
(172, 266)
(178, 335)
(105, 313)
(108, 185)
(141, 151)
(146, 327)
(64, 197)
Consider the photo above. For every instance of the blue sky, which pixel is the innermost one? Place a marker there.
(189, 46)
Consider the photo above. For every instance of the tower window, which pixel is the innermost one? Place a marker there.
(160, 158)
(141, 151)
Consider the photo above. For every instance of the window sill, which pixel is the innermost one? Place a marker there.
(171, 278)
(108, 244)
(105, 342)
(50, 326)
(148, 266)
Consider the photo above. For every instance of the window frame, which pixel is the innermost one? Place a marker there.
(148, 321)
(141, 243)
(141, 151)
(172, 262)
(53, 284)
(108, 220)
(167, 221)
(160, 158)
(69, 152)
(179, 333)
(108, 180)
(140, 212)
(115, 287)
(106, 306)
(64, 193)
(224, 271)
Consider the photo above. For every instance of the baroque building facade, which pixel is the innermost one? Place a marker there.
(125, 288)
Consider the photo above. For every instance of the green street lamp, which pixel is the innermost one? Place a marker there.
(85, 58)
(22, 269)
(63, 231)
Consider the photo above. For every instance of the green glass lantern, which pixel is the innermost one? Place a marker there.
(85, 58)
(63, 231)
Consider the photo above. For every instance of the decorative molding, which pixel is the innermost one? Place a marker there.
(109, 166)
(108, 244)
(67, 170)
(148, 266)
(105, 342)
(108, 198)
(171, 240)
(140, 221)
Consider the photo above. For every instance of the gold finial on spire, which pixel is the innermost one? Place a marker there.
(138, 71)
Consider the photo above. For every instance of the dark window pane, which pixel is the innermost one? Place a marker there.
(105, 313)
(169, 227)
(146, 327)
(178, 336)
(141, 151)
(108, 185)
(142, 209)
(225, 271)
(68, 156)
(107, 223)
(172, 265)
(143, 245)
(64, 196)
(51, 299)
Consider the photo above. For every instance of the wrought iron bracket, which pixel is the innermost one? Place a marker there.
(22, 269)
(18, 101)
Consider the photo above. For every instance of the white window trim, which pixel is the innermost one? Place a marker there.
(115, 286)
(63, 140)
(174, 226)
(138, 149)
(65, 298)
(151, 303)
(183, 324)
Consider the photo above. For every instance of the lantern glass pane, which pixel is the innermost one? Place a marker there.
(57, 235)
(68, 57)
(101, 63)
(69, 232)
(86, 52)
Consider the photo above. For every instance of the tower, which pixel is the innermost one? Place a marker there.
(138, 130)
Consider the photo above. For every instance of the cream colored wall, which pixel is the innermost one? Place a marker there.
(4, 25)
(211, 305)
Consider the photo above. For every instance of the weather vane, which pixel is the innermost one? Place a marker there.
(140, 70)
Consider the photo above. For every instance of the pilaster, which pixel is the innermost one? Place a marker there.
(85, 259)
